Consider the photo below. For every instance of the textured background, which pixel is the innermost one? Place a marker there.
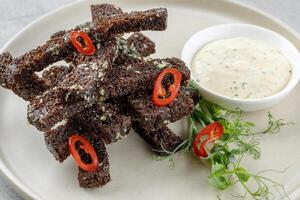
(15, 14)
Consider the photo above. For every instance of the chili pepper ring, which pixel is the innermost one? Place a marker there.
(88, 49)
(159, 90)
(88, 148)
(212, 131)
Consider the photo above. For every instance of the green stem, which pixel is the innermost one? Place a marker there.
(248, 191)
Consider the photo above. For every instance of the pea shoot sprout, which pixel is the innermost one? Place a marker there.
(238, 140)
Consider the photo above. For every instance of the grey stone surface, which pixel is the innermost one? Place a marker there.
(15, 14)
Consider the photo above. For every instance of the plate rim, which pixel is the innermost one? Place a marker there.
(27, 193)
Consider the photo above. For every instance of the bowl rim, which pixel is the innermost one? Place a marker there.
(295, 77)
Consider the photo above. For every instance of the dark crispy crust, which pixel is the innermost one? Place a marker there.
(152, 20)
(150, 117)
(31, 84)
(150, 121)
(19, 73)
(105, 120)
(80, 87)
(101, 10)
(50, 108)
(139, 76)
(37, 59)
(57, 143)
(58, 34)
(101, 176)
(134, 49)
(98, 11)
(102, 120)
(143, 45)
(5, 59)
(57, 140)
(22, 69)
(77, 91)
(89, 73)
(158, 139)
(106, 50)
(55, 75)
(58, 47)
(126, 54)
(64, 100)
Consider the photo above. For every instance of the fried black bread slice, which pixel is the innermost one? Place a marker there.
(55, 74)
(151, 121)
(160, 139)
(151, 116)
(77, 91)
(100, 10)
(139, 76)
(106, 120)
(103, 120)
(31, 85)
(143, 45)
(21, 69)
(100, 177)
(56, 139)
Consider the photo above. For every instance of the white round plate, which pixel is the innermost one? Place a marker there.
(26, 163)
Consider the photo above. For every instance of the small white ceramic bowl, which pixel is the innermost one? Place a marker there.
(224, 31)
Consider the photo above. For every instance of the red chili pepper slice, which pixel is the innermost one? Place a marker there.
(212, 131)
(159, 93)
(88, 148)
(88, 49)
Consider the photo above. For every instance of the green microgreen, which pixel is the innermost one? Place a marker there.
(275, 125)
(238, 141)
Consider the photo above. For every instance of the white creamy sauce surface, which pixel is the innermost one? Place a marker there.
(241, 68)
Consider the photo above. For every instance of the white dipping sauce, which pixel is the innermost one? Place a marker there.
(241, 68)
